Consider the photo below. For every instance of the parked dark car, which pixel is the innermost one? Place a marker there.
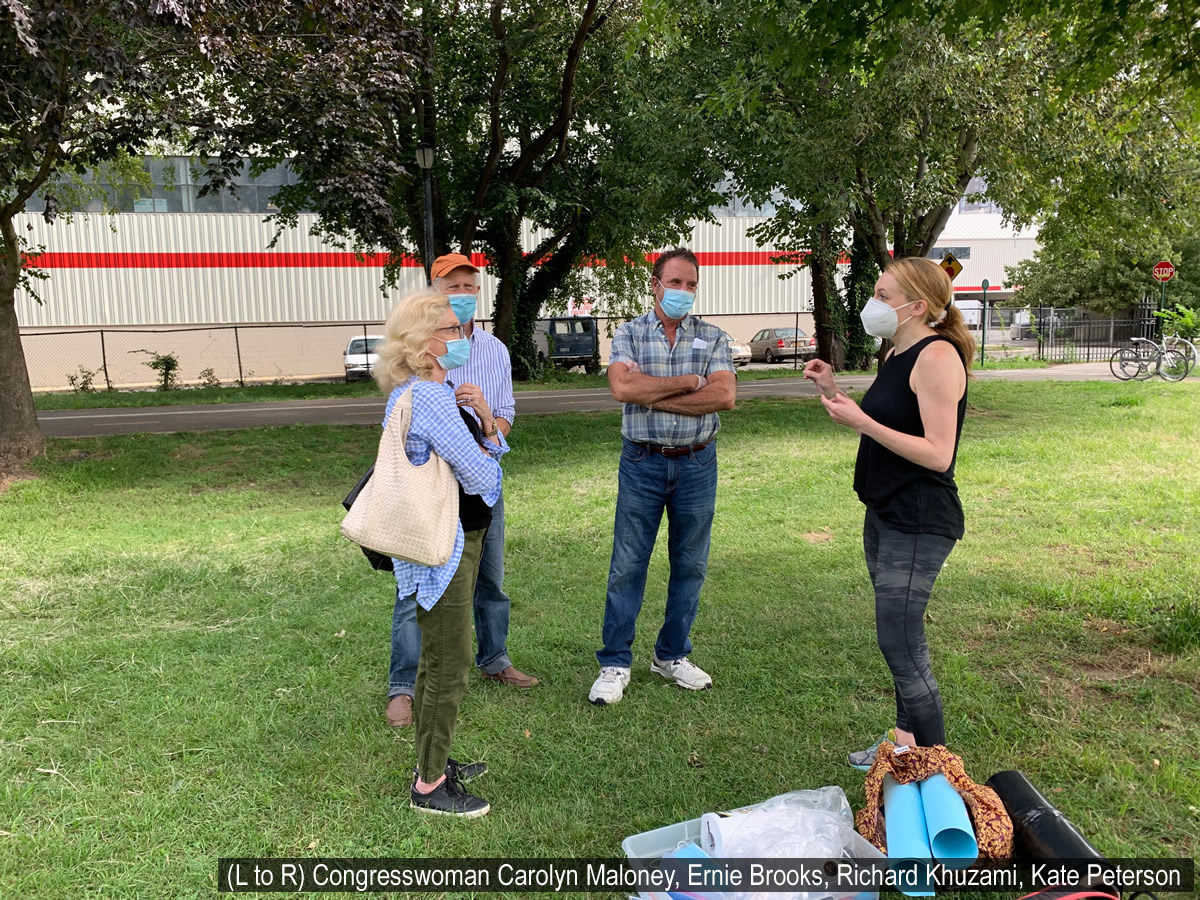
(569, 341)
(771, 344)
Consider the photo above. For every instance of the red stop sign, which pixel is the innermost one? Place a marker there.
(1164, 271)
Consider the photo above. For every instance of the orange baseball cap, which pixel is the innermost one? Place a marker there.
(444, 265)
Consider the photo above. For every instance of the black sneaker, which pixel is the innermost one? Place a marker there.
(449, 799)
(461, 772)
(464, 772)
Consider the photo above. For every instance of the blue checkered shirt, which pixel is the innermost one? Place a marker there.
(700, 349)
(489, 367)
(437, 426)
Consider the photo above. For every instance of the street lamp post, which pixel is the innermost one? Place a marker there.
(425, 162)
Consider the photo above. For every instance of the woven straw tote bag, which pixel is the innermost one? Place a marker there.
(404, 511)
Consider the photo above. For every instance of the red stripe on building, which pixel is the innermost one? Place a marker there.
(345, 260)
(318, 260)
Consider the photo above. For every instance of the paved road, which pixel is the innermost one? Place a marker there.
(369, 410)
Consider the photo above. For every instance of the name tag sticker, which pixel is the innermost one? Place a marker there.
(699, 344)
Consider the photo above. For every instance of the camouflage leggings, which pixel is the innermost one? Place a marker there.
(903, 567)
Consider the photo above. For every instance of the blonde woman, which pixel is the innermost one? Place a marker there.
(424, 341)
(910, 422)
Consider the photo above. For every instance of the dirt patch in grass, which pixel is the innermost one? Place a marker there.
(12, 477)
(189, 452)
(79, 454)
(981, 412)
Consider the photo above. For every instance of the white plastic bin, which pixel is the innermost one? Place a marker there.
(654, 844)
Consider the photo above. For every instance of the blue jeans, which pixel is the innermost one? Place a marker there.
(648, 483)
(491, 606)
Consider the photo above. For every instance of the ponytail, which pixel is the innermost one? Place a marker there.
(923, 279)
(954, 327)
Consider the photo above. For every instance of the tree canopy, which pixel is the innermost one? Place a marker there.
(82, 86)
(553, 118)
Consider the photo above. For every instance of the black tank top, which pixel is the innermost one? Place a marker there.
(908, 497)
(474, 514)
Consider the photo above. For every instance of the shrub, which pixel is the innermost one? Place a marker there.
(209, 379)
(82, 382)
(167, 367)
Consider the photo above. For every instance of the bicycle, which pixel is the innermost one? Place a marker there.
(1184, 346)
(1146, 359)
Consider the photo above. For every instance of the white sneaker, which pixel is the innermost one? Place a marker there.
(684, 673)
(610, 686)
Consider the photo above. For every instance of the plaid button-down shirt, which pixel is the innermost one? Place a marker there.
(700, 349)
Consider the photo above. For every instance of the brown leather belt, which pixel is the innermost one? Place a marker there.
(673, 452)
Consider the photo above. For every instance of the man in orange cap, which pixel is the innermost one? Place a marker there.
(487, 373)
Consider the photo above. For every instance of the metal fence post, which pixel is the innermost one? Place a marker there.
(366, 349)
(104, 361)
(796, 344)
(983, 336)
(237, 344)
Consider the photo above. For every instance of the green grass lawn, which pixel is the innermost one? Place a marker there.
(1013, 362)
(551, 380)
(555, 380)
(194, 661)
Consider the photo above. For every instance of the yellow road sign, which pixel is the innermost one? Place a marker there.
(950, 265)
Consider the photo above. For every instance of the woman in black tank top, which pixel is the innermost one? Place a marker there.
(910, 422)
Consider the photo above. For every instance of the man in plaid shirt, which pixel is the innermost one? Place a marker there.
(673, 372)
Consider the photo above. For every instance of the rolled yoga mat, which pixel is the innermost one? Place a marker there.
(951, 835)
(1039, 830)
(907, 836)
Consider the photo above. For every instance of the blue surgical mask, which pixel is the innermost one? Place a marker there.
(463, 306)
(675, 303)
(457, 353)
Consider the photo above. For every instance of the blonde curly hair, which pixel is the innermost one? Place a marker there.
(404, 351)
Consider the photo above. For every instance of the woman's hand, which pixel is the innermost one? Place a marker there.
(820, 373)
(845, 411)
(470, 396)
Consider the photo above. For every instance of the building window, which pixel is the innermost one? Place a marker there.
(960, 253)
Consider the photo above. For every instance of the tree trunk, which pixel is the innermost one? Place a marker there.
(20, 436)
(823, 265)
(860, 286)
(504, 242)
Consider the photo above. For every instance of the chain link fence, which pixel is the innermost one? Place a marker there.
(118, 358)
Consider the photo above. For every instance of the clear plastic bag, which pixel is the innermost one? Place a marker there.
(815, 824)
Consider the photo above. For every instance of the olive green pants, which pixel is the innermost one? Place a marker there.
(447, 652)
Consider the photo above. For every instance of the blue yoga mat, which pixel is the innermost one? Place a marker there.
(907, 838)
(951, 835)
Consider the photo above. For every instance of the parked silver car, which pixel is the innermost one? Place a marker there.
(360, 358)
(771, 344)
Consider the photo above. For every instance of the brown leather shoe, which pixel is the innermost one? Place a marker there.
(399, 711)
(513, 676)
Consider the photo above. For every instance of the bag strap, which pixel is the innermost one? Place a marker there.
(401, 416)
